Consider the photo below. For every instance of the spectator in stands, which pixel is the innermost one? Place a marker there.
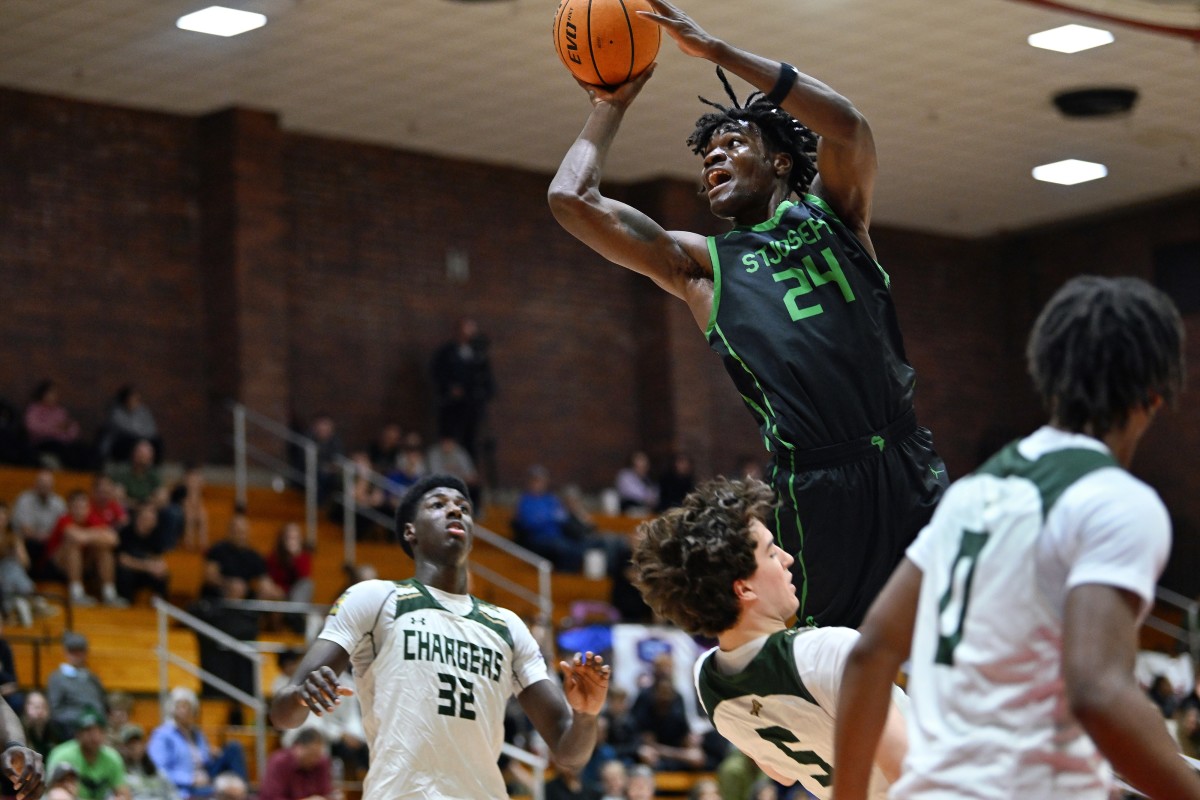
(140, 555)
(62, 782)
(705, 789)
(42, 733)
(385, 450)
(53, 434)
(667, 739)
(181, 752)
(289, 566)
(449, 457)
(736, 773)
(1187, 716)
(130, 421)
(368, 497)
(143, 778)
(614, 780)
(1162, 695)
(410, 468)
(83, 542)
(463, 385)
(186, 513)
(224, 612)
(138, 476)
(676, 482)
(642, 783)
(10, 687)
(35, 513)
(233, 557)
(623, 734)
(120, 707)
(230, 786)
(568, 785)
(107, 501)
(546, 526)
(16, 587)
(300, 771)
(323, 432)
(637, 493)
(101, 769)
(73, 688)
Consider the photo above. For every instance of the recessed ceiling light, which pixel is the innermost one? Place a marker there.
(1070, 172)
(221, 21)
(1071, 38)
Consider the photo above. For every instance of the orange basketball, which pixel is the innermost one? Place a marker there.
(605, 42)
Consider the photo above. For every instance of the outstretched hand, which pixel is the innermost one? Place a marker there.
(585, 682)
(691, 38)
(320, 692)
(619, 96)
(23, 767)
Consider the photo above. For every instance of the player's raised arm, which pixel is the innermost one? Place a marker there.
(313, 688)
(846, 162)
(566, 718)
(615, 230)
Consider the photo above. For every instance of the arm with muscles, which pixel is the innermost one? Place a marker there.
(566, 719)
(314, 687)
(20, 764)
(865, 731)
(1099, 648)
(846, 162)
(676, 261)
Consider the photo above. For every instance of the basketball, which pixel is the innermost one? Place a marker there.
(605, 42)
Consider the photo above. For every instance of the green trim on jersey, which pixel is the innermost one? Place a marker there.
(414, 596)
(768, 415)
(716, 298)
(760, 677)
(1053, 473)
(820, 203)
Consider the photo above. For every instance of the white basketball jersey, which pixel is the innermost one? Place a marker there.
(989, 713)
(434, 673)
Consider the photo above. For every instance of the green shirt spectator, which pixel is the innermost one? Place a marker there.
(100, 767)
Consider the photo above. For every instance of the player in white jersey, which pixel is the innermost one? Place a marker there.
(712, 567)
(1018, 605)
(435, 667)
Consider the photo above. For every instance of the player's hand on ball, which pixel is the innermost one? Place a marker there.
(24, 768)
(321, 692)
(585, 682)
(691, 38)
(620, 96)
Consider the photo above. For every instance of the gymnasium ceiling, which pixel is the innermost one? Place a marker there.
(959, 103)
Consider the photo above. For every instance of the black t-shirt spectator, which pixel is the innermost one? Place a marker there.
(236, 561)
(152, 545)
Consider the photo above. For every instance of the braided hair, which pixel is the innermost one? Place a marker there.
(1103, 347)
(781, 132)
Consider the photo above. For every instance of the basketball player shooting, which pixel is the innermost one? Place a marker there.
(793, 301)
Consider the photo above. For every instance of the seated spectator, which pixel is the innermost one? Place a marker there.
(187, 516)
(385, 450)
(368, 497)
(676, 482)
(141, 776)
(636, 492)
(138, 476)
(101, 769)
(34, 515)
(544, 525)
(289, 566)
(16, 587)
(568, 785)
(140, 561)
(410, 467)
(300, 771)
(225, 613)
(107, 501)
(73, 689)
(642, 783)
(233, 557)
(120, 706)
(448, 457)
(62, 783)
(667, 739)
(181, 752)
(84, 542)
(129, 421)
(323, 432)
(230, 786)
(614, 779)
(705, 789)
(10, 687)
(1163, 695)
(42, 733)
(53, 434)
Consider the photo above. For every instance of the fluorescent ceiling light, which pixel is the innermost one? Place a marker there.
(221, 21)
(1070, 172)
(1071, 38)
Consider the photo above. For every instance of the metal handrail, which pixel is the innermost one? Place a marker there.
(242, 417)
(1189, 632)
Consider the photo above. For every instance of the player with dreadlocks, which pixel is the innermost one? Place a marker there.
(793, 301)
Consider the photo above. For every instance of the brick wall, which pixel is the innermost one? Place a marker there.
(217, 257)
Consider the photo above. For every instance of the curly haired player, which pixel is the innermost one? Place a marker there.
(713, 568)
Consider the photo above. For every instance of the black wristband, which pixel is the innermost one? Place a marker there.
(784, 84)
(10, 745)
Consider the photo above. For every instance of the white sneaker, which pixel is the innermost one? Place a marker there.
(24, 611)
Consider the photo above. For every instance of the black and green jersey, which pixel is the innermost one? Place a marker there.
(803, 320)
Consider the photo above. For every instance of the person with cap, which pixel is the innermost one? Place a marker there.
(143, 778)
(73, 688)
(101, 770)
(181, 752)
(435, 667)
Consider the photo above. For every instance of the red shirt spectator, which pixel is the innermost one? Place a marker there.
(300, 772)
(105, 504)
(89, 520)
